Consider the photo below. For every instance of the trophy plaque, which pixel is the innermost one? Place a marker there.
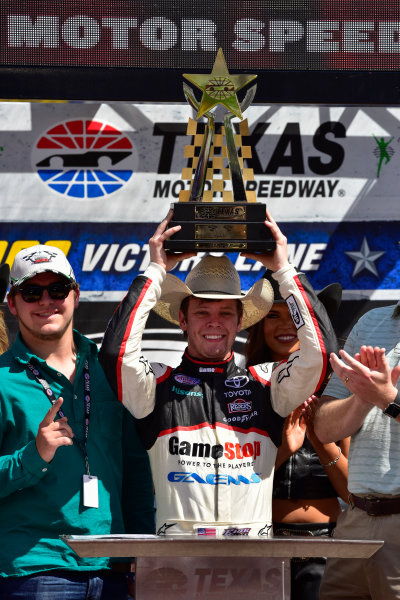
(217, 213)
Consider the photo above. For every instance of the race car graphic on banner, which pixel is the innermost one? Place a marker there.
(84, 158)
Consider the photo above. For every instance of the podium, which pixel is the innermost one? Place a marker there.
(194, 568)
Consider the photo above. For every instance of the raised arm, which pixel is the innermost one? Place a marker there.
(305, 371)
(158, 254)
(302, 375)
(278, 259)
(129, 373)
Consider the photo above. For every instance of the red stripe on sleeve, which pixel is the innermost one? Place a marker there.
(126, 336)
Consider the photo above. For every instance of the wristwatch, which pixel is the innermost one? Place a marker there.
(393, 408)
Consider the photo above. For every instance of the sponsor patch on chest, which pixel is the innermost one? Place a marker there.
(186, 379)
(237, 382)
(239, 405)
(181, 392)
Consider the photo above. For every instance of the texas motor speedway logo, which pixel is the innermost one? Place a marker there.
(84, 159)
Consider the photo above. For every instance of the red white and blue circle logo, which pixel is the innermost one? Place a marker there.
(84, 159)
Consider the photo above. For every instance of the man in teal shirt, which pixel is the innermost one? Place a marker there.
(61, 444)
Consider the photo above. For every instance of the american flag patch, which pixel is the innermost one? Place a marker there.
(206, 531)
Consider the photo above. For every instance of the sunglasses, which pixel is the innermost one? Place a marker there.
(33, 293)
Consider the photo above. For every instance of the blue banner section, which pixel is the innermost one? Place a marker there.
(107, 256)
(360, 255)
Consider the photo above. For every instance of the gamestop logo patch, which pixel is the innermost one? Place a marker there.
(84, 159)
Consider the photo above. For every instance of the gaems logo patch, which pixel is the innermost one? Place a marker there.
(212, 478)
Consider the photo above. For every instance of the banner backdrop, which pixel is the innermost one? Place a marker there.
(96, 179)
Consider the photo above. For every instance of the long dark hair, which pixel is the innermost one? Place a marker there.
(256, 350)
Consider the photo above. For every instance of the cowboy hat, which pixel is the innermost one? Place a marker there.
(214, 278)
(330, 296)
(4, 275)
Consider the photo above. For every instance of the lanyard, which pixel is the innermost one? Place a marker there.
(51, 396)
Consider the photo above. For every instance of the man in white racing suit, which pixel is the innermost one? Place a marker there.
(211, 428)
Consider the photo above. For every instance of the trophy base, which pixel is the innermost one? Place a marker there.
(220, 226)
(259, 246)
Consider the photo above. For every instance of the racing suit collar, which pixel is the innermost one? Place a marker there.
(203, 366)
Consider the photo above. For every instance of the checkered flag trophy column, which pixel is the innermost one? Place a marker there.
(224, 217)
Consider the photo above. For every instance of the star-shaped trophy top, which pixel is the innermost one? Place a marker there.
(219, 87)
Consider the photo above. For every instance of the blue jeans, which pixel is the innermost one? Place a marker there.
(65, 585)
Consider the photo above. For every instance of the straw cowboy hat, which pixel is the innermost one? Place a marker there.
(214, 278)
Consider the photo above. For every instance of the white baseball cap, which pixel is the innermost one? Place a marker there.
(39, 259)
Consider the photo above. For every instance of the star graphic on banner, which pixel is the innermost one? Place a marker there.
(365, 259)
(219, 87)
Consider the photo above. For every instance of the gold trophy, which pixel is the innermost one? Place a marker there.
(219, 219)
